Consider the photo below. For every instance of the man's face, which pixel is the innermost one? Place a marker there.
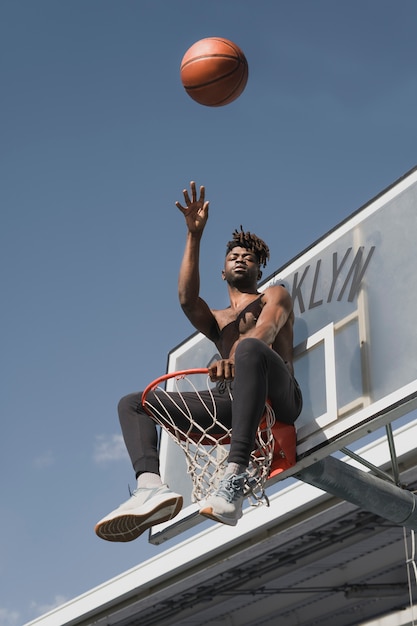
(241, 267)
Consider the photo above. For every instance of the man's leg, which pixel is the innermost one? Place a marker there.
(139, 434)
(152, 502)
(260, 374)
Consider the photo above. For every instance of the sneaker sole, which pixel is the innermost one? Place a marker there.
(208, 512)
(128, 526)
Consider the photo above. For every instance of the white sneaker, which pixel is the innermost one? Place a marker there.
(225, 504)
(145, 508)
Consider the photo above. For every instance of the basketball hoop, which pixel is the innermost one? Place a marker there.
(206, 449)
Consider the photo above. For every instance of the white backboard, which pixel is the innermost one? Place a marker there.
(355, 303)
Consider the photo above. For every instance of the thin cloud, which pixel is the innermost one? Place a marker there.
(109, 448)
(8, 617)
(40, 609)
(46, 459)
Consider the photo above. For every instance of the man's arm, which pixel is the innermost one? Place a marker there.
(194, 307)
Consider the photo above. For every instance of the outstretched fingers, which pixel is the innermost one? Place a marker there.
(179, 206)
(191, 202)
(202, 194)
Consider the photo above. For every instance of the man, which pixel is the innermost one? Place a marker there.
(254, 337)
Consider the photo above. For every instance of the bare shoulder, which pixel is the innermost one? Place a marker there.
(278, 294)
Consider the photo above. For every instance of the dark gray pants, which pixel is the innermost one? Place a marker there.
(260, 374)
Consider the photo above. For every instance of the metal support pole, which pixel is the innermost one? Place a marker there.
(364, 490)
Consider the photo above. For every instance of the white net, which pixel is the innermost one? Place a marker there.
(206, 454)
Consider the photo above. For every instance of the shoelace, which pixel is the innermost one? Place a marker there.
(237, 485)
(255, 498)
(231, 488)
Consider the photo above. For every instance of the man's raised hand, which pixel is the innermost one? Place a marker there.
(195, 211)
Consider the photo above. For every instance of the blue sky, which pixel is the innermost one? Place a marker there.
(98, 139)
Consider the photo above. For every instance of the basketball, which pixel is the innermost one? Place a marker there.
(214, 71)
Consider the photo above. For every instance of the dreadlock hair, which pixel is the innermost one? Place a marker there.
(250, 242)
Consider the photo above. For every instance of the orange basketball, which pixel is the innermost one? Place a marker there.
(214, 71)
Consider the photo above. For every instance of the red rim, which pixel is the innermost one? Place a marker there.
(161, 379)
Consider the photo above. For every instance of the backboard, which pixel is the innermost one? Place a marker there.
(355, 303)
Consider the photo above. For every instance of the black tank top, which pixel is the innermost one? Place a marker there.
(230, 333)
